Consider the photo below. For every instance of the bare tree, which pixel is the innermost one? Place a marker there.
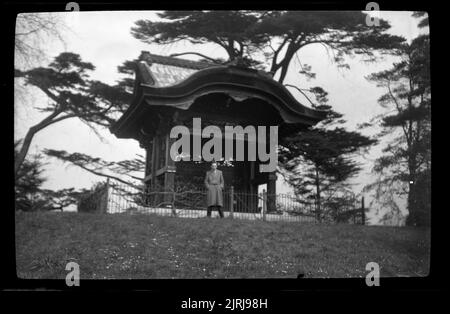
(33, 32)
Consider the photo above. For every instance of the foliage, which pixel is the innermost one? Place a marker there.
(319, 161)
(94, 200)
(275, 35)
(125, 171)
(27, 184)
(30, 196)
(66, 82)
(71, 94)
(231, 30)
(406, 160)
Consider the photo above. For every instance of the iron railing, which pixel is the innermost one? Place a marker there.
(122, 198)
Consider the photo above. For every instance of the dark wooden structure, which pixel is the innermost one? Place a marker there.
(172, 91)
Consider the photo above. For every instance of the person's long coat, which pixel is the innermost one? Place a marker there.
(214, 183)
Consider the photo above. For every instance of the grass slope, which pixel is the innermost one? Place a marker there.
(146, 246)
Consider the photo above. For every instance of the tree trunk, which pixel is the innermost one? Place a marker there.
(318, 200)
(30, 134)
(413, 215)
(23, 151)
(284, 64)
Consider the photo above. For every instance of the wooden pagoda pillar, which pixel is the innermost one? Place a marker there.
(169, 166)
(271, 192)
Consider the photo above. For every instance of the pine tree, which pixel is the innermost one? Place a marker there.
(406, 160)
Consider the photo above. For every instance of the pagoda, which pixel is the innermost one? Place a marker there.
(172, 91)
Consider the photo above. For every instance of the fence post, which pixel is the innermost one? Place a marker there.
(231, 201)
(264, 209)
(104, 210)
(174, 211)
(363, 212)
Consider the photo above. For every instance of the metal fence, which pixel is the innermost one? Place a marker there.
(123, 198)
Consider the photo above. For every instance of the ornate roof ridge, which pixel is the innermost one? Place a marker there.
(173, 61)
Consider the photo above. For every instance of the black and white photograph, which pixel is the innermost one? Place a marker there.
(222, 144)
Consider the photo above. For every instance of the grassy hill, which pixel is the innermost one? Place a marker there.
(146, 246)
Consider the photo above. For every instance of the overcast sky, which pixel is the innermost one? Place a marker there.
(104, 39)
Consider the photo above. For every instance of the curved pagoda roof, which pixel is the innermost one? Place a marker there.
(176, 83)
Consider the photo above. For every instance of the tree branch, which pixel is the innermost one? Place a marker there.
(106, 175)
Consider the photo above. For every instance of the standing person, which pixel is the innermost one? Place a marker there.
(214, 183)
